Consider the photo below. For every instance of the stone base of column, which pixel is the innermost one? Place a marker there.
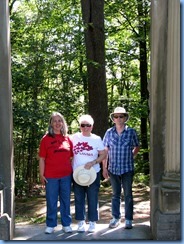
(5, 222)
(166, 227)
(169, 194)
(167, 221)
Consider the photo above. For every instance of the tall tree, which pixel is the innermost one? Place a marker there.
(128, 24)
(93, 17)
(142, 7)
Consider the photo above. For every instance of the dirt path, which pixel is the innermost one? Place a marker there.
(33, 210)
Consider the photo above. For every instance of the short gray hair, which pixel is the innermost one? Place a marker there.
(86, 117)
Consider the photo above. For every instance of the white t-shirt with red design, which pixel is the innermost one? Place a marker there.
(85, 149)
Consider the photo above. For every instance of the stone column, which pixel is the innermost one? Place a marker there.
(173, 90)
(6, 125)
(165, 120)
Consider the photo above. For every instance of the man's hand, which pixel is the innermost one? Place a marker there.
(105, 173)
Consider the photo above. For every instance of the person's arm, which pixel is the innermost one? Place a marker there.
(104, 164)
(42, 169)
(101, 156)
(136, 147)
(135, 151)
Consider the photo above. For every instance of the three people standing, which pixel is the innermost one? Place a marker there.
(81, 154)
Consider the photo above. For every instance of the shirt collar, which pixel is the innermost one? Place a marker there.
(114, 128)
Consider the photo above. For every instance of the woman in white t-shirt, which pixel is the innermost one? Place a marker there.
(89, 151)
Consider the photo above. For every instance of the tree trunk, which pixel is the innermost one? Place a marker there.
(143, 81)
(93, 17)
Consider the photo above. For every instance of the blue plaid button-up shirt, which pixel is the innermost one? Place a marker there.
(120, 147)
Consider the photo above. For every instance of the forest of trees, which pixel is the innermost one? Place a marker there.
(77, 57)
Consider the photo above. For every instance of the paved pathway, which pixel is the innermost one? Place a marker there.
(140, 230)
(36, 233)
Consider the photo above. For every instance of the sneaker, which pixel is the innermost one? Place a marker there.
(67, 229)
(128, 224)
(114, 223)
(49, 230)
(92, 226)
(81, 226)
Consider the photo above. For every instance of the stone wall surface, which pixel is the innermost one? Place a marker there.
(6, 125)
(165, 120)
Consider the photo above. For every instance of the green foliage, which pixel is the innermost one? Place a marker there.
(49, 71)
(20, 188)
(142, 178)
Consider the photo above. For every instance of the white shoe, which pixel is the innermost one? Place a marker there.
(92, 226)
(67, 229)
(81, 226)
(49, 230)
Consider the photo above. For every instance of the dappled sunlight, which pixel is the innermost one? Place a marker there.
(140, 230)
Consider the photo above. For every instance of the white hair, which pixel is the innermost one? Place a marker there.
(87, 118)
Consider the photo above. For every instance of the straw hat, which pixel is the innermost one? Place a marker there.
(119, 110)
(84, 177)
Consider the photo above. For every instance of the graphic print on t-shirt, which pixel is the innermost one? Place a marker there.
(59, 146)
(82, 146)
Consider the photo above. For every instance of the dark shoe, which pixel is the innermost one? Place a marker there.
(114, 223)
(128, 224)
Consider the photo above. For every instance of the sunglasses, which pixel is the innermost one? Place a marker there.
(85, 125)
(120, 116)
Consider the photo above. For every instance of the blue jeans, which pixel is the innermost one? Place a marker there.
(91, 192)
(58, 189)
(118, 182)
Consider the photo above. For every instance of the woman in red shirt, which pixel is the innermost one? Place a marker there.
(56, 154)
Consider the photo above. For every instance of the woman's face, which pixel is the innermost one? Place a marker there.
(57, 124)
(86, 128)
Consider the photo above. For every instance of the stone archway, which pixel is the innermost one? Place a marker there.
(164, 91)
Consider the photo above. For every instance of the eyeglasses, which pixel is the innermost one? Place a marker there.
(85, 125)
(120, 116)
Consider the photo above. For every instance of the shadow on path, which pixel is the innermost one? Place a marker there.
(36, 208)
(103, 233)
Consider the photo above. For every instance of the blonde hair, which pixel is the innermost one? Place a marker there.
(64, 130)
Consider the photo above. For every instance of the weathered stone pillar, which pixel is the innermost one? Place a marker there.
(165, 120)
(6, 125)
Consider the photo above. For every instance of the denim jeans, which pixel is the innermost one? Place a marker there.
(58, 189)
(118, 182)
(91, 194)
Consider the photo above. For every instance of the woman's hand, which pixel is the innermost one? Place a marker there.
(43, 180)
(89, 164)
(42, 169)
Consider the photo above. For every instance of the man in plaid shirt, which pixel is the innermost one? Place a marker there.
(122, 145)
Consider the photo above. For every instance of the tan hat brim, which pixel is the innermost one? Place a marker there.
(111, 116)
(92, 175)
